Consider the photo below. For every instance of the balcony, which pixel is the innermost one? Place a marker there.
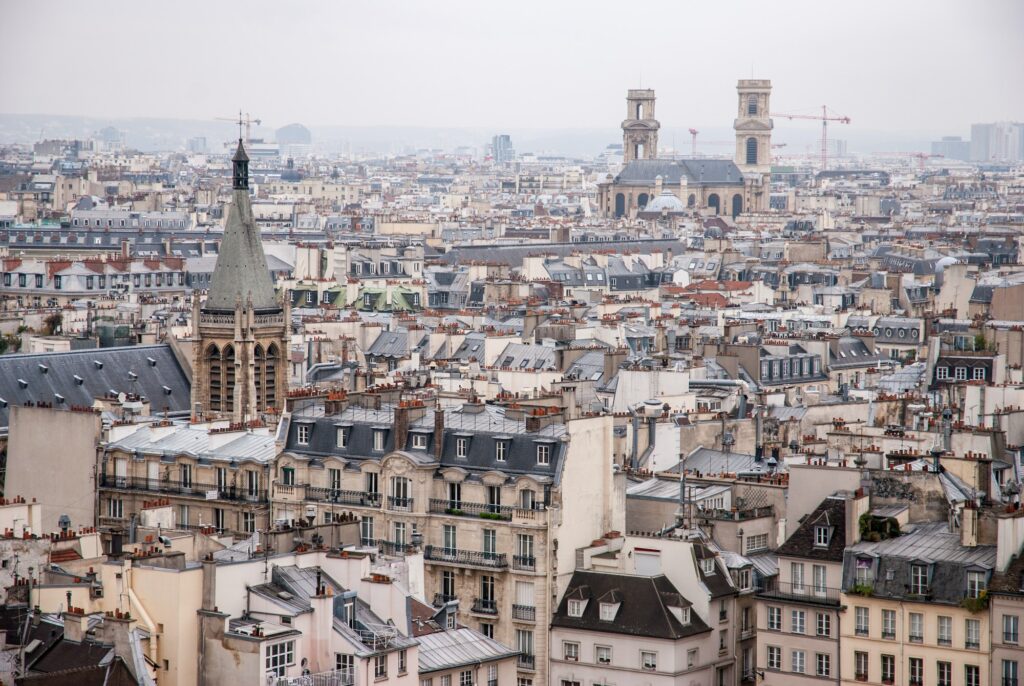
(391, 548)
(399, 504)
(113, 522)
(737, 515)
(889, 635)
(801, 594)
(972, 645)
(861, 677)
(338, 677)
(536, 515)
(484, 606)
(443, 598)
(461, 508)
(526, 662)
(192, 489)
(524, 563)
(465, 557)
(1009, 681)
(524, 613)
(342, 497)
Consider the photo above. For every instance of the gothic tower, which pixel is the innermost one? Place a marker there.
(753, 126)
(640, 128)
(239, 369)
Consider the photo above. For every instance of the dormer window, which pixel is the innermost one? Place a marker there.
(608, 611)
(461, 448)
(575, 607)
(501, 451)
(681, 613)
(378, 440)
(419, 441)
(707, 565)
(302, 434)
(822, 536)
(918, 579)
(341, 437)
(544, 454)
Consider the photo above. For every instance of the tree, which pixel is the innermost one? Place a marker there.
(52, 324)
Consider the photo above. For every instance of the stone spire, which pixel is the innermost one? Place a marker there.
(241, 272)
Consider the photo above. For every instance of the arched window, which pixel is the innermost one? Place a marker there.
(751, 151)
(737, 205)
(639, 111)
(715, 203)
(258, 371)
(620, 204)
(691, 201)
(270, 389)
(752, 104)
(638, 151)
(641, 201)
(213, 363)
(228, 398)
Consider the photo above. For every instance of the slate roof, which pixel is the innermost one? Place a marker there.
(80, 376)
(830, 513)
(241, 270)
(697, 172)
(643, 610)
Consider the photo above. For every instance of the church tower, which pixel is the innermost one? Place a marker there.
(239, 369)
(753, 126)
(640, 128)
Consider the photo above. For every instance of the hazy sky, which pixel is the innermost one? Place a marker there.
(929, 65)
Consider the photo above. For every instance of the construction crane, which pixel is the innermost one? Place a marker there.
(921, 156)
(825, 117)
(243, 120)
(693, 142)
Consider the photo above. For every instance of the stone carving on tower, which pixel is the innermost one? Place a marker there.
(753, 126)
(640, 128)
(239, 369)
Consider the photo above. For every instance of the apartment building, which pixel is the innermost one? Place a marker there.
(479, 488)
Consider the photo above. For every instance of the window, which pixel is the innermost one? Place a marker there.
(378, 440)
(888, 669)
(723, 639)
(402, 662)
(824, 624)
(752, 105)
(944, 672)
(575, 607)
(490, 544)
(774, 618)
(889, 624)
(797, 622)
(115, 508)
(1011, 624)
(799, 659)
(757, 543)
(860, 665)
(543, 454)
(571, 651)
(465, 678)
(942, 373)
(344, 663)
(334, 479)
(419, 441)
(796, 576)
(461, 447)
(487, 629)
(978, 373)
(916, 627)
(774, 657)
(972, 639)
(976, 584)
(302, 432)
(249, 522)
(372, 481)
(288, 476)
(448, 584)
(823, 663)
(961, 373)
(603, 655)
(280, 656)
(916, 669)
(399, 537)
(861, 621)
(972, 675)
(380, 666)
(648, 660)
(918, 579)
(821, 536)
(818, 573)
(450, 539)
(366, 530)
(183, 518)
(186, 476)
(751, 151)
(341, 437)
(500, 450)
(1009, 673)
(865, 575)
(945, 634)
(608, 611)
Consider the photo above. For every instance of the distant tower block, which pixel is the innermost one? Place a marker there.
(753, 126)
(640, 128)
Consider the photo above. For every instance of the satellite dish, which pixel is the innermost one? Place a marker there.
(121, 397)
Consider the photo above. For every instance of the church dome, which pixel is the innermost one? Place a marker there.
(666, 202)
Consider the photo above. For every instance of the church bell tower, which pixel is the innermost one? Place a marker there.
(753, 126)
(239, 369)
(640, 128)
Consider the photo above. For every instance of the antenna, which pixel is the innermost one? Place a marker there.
(240, 123)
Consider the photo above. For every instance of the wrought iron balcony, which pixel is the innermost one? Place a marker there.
(524, 613)
(399, 504)
(342, 497)
(485, 606)
(392, 548)
(338, 677)
(192, 489)
(526, 662)
(465, 557)
(462, 508)
(526, 563)
(802, 593)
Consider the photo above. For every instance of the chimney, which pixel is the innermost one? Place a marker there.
(76, 624)
(209, 598)
(401, 425)
(126, 250)
(438, 432)
(969, 524)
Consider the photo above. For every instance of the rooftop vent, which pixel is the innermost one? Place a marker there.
(98, 364)
(23, 383)
(43, 368)
(78, 380)
(152, 362)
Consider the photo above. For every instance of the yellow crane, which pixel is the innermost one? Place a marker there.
(243, 120)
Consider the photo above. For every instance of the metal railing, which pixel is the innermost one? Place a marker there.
(526, 563)
(342, 496)
(400, 504)
(805, 593)
(485, 606)
(736, 515)
(392, 548)
(442, 598)
(524, 613)
(186, 488)
(462, 508)
(526, 661)
(338, 677)
(466, 557)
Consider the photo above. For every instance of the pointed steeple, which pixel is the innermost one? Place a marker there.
(241, 272)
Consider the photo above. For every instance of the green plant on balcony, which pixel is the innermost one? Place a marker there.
(876, 529)
(976, 604)
(453, 511)
(866, 590)
(490, 515)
